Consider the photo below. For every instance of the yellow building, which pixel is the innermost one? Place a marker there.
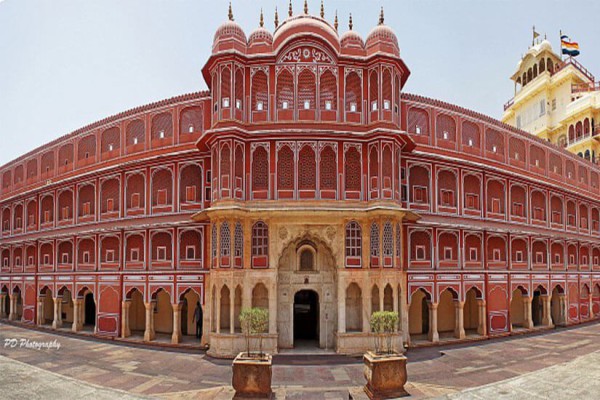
(557, 100)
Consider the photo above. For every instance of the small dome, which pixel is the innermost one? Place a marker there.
(228, 31)
(545, 45)
(260, 36)
(383, 38)
(352, 39)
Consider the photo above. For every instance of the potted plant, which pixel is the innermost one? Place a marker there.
(252, 370)
(385, 368)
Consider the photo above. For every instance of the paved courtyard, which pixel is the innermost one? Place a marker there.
(559, 364)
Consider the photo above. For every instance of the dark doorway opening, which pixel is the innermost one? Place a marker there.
(306, 316)
(184, 316)
(90, 310)
(537, 309)
(7, 305)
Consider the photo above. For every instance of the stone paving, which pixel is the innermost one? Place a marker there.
(433, 372)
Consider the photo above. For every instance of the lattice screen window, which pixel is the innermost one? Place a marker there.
(373, 91)
(110, 196)
(239, 89)
(225, 240)
(285, 91)
(353, 93)
(162, 126)
(238, 240)
(162, 187)
(418, 121)
(494, 142)
(190, 120)
(135, 132)
(260, 239)
(86, 148)
(398, 241)
(307, 90)
(387, 166)
(374, 165)
(111, 139)
(32, 169)
(353, 240)
(226, 87)
(285, 169)
(239, 166)
(65, 155)
(328, 91)
(307, 169)
(260, 169)
(328, 169)
(388, 240)
(225, 160)
(48, 162)
(190, 184)
(387, 89)
(353, 170)
(260, 96)
(446, 128)
(374, 240)
(213, 243)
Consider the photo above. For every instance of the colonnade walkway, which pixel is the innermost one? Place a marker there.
(527, 362)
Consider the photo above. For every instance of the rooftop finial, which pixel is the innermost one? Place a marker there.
(335, 22)
(290, 11)
(350, 24)
(381, 17)
(230, 15)
(305, 6)
(262, 19)
(276, 17)
(322, 10)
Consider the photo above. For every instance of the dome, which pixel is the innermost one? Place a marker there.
(352, 39)
(302, 25)
(260, 36)
(545, 45)
(382, 38)
(229, 34)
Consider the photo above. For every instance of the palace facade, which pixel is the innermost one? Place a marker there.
(304, 181)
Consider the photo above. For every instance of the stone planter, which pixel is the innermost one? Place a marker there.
(252, 377)
(385, 374)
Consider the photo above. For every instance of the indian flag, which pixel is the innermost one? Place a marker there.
(569, 47)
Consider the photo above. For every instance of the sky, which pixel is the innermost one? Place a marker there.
(67, 63)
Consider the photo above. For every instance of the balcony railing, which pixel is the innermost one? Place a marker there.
(585, 87)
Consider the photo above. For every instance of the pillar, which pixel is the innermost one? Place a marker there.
(176, 337)
(482, 328)
(381, 298)
(125, 331)
(76, 315)
(40, 311)
(218, 310)
(2, 306)
(57, 323)
(591, 306)
(12, 311)
(564, 312)
(272, 310)
(232, 310)
(527, 320)
(433, 322)
(547, 307)
(341, 292)
(149, 333)
(459, 324)
(366, 303)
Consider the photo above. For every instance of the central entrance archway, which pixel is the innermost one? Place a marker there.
(306, 317)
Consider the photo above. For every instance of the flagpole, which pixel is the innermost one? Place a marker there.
(560, 38)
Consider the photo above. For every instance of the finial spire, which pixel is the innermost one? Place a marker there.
(335, 22)
(305, 6)
(230, 15)
(350, 24)
(290, 11)
(276, 18)
(381, 17)
(262, 19)
(322, 10)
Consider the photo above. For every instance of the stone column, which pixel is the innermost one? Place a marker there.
(76, 315)
(341, 292)
(482, 328)
(366, 298)
(40, 311)
(232, 310)
(125, 331)
(459, 330)
(381, 298)
(149, 333)
(591, 306)
(547, 307)
(57, 323)
(12, 311)
(218, 311)
(527, 321)
(433, 320)
(2, 306)
(563, 305)
(176, 337)
(272, 309)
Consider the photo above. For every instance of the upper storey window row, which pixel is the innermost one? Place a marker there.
(131, 136)
(451, 131)
(306, 91)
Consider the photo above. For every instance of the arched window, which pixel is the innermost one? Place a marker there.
(213, 244)
(260, 95)
(328, 169)
(328, 91)
(306, 90)
(226, 88)
(225, 244)
(374, 245)
(353, 172)
(388, 244)
(260, 170)
(260, 244)
(353, 244)
(285, 90)
(238, 246)
(353, 94)
(307, 176)
(285, 169)
(307, 260)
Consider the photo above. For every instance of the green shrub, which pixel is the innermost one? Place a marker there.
(383, 325)
(254, 322)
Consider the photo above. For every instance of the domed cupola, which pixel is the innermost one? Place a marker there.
(351, 42)
(382, 39)
(261, 40)
(229, 36)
